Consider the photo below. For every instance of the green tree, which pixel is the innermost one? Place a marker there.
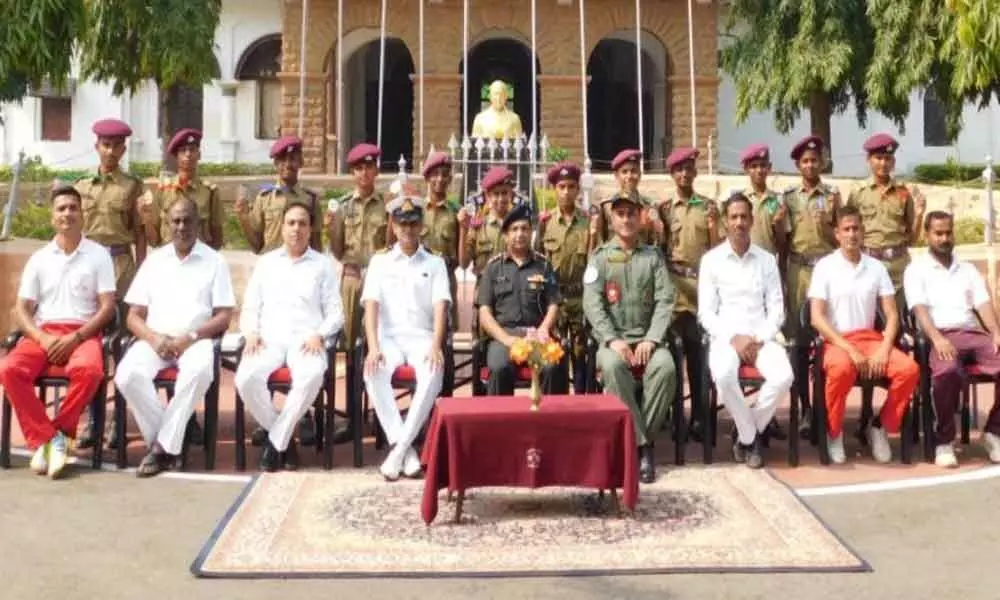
(791, 56)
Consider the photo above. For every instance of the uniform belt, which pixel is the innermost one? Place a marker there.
(887, 252)
(354, 271)
(571, 289)
(119, 249)
(683, 270)
(803, 260)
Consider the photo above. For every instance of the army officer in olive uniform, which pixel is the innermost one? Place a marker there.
(518, 293)
(563, 238)
(185, 146)
(628, 299)
(440, 229)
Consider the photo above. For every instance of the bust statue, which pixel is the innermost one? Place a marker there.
(496, 121)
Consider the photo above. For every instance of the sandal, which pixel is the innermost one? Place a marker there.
(153, 464)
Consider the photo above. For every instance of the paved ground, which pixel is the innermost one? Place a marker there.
(108, 536)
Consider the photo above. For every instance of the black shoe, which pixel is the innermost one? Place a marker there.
(755, 456)
(86, 438)
(775, 431)
(290, 457)
(307, 430)
(342, 434)
(805, 425)
(258, 437)
(739, 452)
(195, 435)
(647, 464)
(695, 431)
(270, 458)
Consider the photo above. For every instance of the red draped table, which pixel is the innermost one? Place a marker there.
(578, 441)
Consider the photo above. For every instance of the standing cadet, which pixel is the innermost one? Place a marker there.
(111, 218)
(628, 299)
(694, 229)
(262, 223)
(440, 229)
(890, 212)
(769, 210)
(811, 221)
(481, 236)
(186, 147)
(628, 174)
(563, 237)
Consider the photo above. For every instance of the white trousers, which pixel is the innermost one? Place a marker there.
(411, 351)
(772, 362)
(307, 371)
(134, 378)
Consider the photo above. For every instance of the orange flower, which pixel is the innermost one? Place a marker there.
(520, 351)
(552, 353)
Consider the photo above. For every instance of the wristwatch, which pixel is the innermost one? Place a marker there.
(193, 336)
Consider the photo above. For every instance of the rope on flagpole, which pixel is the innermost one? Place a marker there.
(381, 74)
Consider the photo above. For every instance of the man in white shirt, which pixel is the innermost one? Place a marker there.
(291, 311)
(945, 294)
(65, 299)
(405, 298)
(741, 307)
(846, 289)
(181, 298)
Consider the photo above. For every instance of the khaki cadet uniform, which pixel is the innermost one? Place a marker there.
(269, 207)
(109, 218)
(564, 243)
(364, 227)
(886, 216)
(806, 243)
(628, 295)
(440, 236)
(688, 240)
(205, 196)
(765, 206)
(485, 241)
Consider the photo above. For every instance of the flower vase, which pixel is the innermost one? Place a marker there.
(536, 389)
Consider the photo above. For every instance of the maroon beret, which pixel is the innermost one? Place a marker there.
(754, 151)
(363, 152)
(629, 154)
(881, 142)
(435, 160)
(111, 128)
(286, 145)
(681, 155)
(184, 137)
(563, 170)
(810, 142)
(497, 176)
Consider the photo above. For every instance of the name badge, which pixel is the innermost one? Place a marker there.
(612, 292)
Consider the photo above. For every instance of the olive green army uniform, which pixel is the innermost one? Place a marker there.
(886, 215)
(628, 295)
(205, 195)
(564, 242)
(765, 206)
(110, 219)
(440, 236)
(364, 227)
(807, 243)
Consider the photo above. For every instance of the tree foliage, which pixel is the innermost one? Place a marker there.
(37, 40)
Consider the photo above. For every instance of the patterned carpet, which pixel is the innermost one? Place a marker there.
(353, 524)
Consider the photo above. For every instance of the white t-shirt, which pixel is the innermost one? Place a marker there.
(851, 291)
(180, 295)
(949, 293)
(66, 286)
(406, 289)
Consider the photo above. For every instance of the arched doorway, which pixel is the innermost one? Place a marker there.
(361, 88)
(261, 63)
(612, 99)
(503, 59)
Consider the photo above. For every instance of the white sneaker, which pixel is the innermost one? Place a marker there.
(835, 447)
(411, 463)
(58, 455)
(40, 460)
(878, 440)
(393, 464)
(944, 456)
(991, 442)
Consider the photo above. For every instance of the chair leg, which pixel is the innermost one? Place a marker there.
(975, 407)
(240, 433)
(329, 414)
(5, 420)
(680, 424)
(905, 439)
(819, 416)
(353, 388)
(966, 391)
(927, 419)
(211, 424)
(708, 443)
(867, 412)
(99, 407)
(121, 423)
(793, 424)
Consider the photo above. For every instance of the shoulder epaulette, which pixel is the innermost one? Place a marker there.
(495, 257)
(791, 189)
(209, 185)
(267, 188)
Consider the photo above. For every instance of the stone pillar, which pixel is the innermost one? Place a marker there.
(314, 119)
(228, 141)
(443, 114)
(561, 113)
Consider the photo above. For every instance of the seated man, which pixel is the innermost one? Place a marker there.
(290, 311)
(406, 297)
(65, 299)
(846, 288)
(945, 295)
(628, 300)
(517, 297)
(181, 298)
(741, 307)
